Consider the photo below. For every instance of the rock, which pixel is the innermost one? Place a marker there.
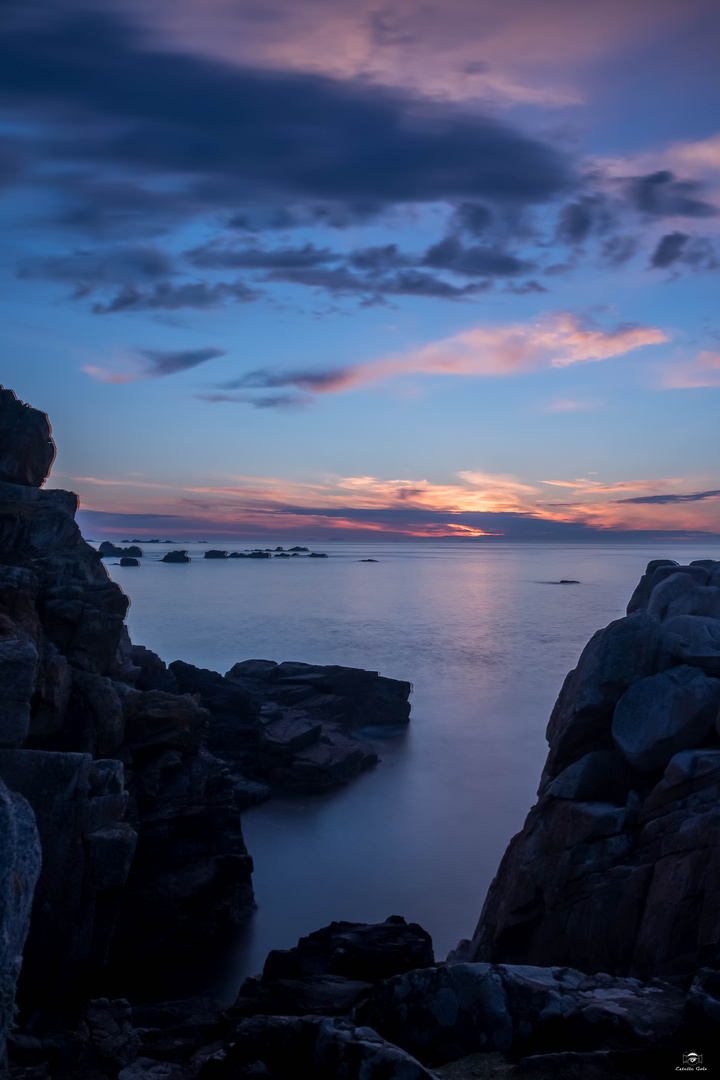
(27, 450)
(347, 698)
(18, 671)
(107, 549)
(86, 854)
(112, 1041)
(600, 776)
(317, 555)
(699, 600)
(663, 714)
(152, 673)
(237, 555)
(212, 553)
(129, 562)
(286, 1048)
(617, 865)
(298, 549)
(621, 654)
(667, 592)
(639, 598)
(259, 555)
(693, 640)
(20, 860)
(366, 952)
(367, 560)
(147, 1069)
(441, 1013)
(176, 557)
(311, 995)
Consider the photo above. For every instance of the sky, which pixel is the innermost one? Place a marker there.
(303, 268)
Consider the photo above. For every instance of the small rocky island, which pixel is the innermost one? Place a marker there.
(122, 781)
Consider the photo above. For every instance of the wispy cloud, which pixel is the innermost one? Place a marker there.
(695, 496)
(703, 370)
(557, 340)
(154, 364)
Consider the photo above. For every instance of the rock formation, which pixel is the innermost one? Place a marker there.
(118, 762)
(617, 868)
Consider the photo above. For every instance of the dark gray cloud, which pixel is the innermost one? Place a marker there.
(450, 254)
(385, 257)
(341, 281)
(268, 401)
(161, 362)
(237, 136)
(617, 250)
(578, 219)
(669, 250)
(168, 297)
(660, 194)
(90, 270)
(471, 218)
(698, 496)
(265, 379)
(211, 256)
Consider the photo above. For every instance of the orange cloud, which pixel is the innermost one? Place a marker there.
(404, 506)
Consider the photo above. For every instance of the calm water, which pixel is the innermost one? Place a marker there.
(485, 642)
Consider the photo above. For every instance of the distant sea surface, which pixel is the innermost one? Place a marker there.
(486, 641)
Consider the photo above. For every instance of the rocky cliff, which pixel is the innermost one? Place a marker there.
(132, 774)
(617, 868)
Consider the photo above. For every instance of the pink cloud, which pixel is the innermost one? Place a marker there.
(703, 370)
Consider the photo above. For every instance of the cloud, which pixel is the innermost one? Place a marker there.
(243, 258)
(577, 220)
(156, 363)
(565, 405)
(167, 297)
(90, 270)
(471, 503)
(556, 341)
(697, 496)
(449, 254)
(240, 135)
(669, 250)
(660, 194)
(703, 370)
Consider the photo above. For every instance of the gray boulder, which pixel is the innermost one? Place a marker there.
(613, 659)
(691, 639)
(663, 714)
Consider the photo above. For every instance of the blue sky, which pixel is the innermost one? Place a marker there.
(397, 270)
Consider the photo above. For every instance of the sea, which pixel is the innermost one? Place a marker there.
(485, 633)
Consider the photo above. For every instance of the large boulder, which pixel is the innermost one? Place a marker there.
(663, 714)
(27, 450)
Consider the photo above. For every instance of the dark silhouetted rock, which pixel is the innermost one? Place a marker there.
(442, 1013)
(259, 555)
(616, 868)
(347, 698)
(213, 553)
(317, 555)
(176, 557)
(27, 450)
(107, 549)
(129, 562)
(237, 555)
(20, 860)
(297, 549)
